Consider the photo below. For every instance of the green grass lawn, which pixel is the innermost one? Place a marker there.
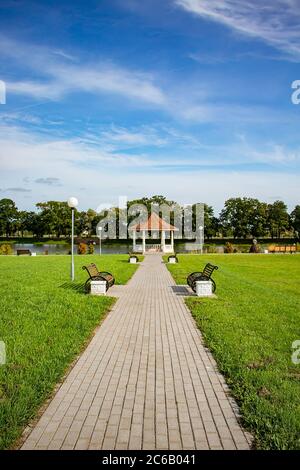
(250, 328)
(45, 322)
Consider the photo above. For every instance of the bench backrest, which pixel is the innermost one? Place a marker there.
(208, 270)
(282, 248)
(23, 252)
(92, 270)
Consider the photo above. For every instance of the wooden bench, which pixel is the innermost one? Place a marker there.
(96, 275)
(282, 249)
(23, 252)
(204, 275)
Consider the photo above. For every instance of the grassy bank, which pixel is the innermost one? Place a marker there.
(250, 329)
(45, 322)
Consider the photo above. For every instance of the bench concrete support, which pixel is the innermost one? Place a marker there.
(204, 288)
(98, 287)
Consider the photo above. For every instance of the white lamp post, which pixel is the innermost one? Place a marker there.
(72, 202)
(99, 235)
(201, 229)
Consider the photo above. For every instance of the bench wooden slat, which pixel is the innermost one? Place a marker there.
(95, 274)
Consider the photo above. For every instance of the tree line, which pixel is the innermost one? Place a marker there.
(239, 218)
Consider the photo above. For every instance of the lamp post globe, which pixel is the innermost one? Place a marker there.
(72, 203)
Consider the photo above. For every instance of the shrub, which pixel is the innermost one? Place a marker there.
(91, 248)
(6, 249)
(254, 248)
(229, 248)
(82, 249)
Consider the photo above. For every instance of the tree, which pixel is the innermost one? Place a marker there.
(56, 216)
(8, 216)
(210, 222)
(20, 224)
(258, 223)
(277, 218)
(149, 202)
(35, 224)
(295, 220)
(85, 222)
(244, 217)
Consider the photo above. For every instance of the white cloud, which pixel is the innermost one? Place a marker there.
(276, 22)
(21, 150)
(49, 180)
(134, 137)
(29, 157)
(276, 154)
(58, 76)
(101, 79)
(194, 100)
(51, 90)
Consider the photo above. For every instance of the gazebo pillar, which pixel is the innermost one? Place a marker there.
(163, 241)
(172, 240)
(144, 241)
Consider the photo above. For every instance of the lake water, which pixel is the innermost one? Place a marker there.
(107, 248)
(59, 249)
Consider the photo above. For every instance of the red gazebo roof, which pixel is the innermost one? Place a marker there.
(154, 222)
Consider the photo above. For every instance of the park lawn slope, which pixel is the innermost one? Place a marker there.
(250, 329)
(45, 321)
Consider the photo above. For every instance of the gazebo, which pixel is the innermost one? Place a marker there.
(154, 224)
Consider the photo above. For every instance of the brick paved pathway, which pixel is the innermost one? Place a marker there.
(144, 382)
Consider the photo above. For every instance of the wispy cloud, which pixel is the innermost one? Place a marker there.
(21, 117)
(38, 90)
(276, 23)
(37, 153)
(134, 137)
(101, 79)
(58, 77)
(18, 190)
(49, 181)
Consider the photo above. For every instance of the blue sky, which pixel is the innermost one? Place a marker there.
(186, 98)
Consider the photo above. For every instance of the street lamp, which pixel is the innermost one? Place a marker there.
(99, 235)
(201, 238)
(72, 203)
